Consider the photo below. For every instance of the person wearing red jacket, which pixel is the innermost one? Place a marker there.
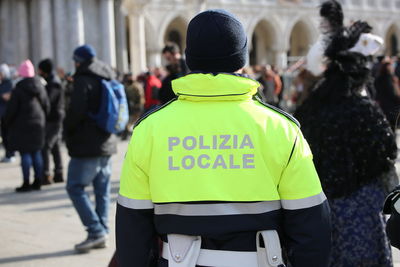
(152, 86)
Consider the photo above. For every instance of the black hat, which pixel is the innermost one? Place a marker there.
(46, 66)
(215, 42)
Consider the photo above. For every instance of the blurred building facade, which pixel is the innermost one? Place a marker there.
(129, 34)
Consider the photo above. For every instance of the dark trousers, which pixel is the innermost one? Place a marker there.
(4, 134)
(52, 146)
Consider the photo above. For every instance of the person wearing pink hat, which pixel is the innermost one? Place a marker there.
(25, 118)
(26, 69)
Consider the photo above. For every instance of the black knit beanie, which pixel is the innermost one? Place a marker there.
(46, 66)
(215, 42)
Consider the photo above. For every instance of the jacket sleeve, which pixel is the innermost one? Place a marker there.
(278, 84)
(78, 105)
(59, 102)
(44, 100)
(306, 213)
(135, 233)
(12, 108)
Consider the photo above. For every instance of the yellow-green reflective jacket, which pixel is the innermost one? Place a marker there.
(215, 142)
(215, 162)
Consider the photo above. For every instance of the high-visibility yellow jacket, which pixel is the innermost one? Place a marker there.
(215, 162)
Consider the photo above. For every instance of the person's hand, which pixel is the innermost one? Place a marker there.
(392, 202)
(6, 96)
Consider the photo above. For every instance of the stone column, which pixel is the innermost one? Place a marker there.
(45, 30)
(62, 54)
(22, 45)
(137, 41)
(281, 59)
(76, 33)
(4, 31)
(76, 30)
(34, 30)
(12, 22)
(107, 24)
(120, 36)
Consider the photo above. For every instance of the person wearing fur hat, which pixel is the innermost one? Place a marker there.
(216, 173)
(54, 122)
(353, 145)
(25, 118)
(5, 94)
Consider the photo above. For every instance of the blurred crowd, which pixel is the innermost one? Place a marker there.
(34, 103)
(283, 88)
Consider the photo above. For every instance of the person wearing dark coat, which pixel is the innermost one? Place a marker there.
(54, 122)
(387, 93)
(166, 93)
(25, 118)
(90, 148)
(176, 68)
(353, 145)
(172, 55)
(6, 87)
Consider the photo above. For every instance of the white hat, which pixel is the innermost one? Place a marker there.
(368, 44)
(5, 71)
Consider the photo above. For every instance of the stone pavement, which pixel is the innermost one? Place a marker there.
(40, 228)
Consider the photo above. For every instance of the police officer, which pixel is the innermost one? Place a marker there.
(222, 178)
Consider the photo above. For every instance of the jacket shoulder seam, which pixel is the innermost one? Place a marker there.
(278, 110)
(147, 114)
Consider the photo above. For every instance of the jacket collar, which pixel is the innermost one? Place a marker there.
(220, 86)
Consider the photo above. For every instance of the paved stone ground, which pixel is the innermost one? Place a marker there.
(40, 228)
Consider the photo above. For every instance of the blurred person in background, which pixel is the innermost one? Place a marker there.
(176, 68)
(271, 86)
(159, 72)
(304, 83)
(387, 92)
(135, 96)
(5, 94)
(166, 94)
(25, 119)
(249, 72)
(173, 56)
(54, 122)
(152, 87)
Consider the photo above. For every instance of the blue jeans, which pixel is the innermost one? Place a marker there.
(32, 159)
(81, 173)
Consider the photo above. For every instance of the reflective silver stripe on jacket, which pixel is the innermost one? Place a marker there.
(135, 203)
(303, 203)
(217, 209)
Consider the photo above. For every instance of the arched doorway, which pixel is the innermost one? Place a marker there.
(300, 41)
(176, 33)
(391, 41)
(262, 43)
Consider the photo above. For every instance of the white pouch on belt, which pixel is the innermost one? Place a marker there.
(271, 254)
(184, 250)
